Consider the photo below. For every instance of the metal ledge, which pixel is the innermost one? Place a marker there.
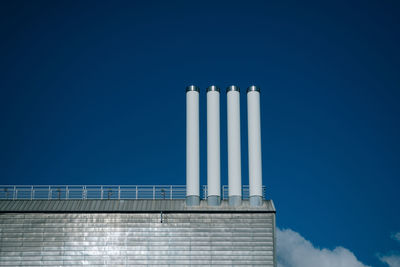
(127, 206)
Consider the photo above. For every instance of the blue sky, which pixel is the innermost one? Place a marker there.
(93, 92)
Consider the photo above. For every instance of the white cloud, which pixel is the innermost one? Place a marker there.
(396, 236)
(295, 251)
(392, 260)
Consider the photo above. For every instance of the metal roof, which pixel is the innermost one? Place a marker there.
(114, 205)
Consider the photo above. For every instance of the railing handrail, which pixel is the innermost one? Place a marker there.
(81, 185)
(31, 192)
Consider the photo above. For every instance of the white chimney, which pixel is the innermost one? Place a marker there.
(234, 154)
(192, 146)
(213, 147)
(254, 134)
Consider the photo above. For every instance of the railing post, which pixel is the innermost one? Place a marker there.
(119, 192)
(101, 192)
(154, 192)
(170, 192)
(32, 192)
(66, 192)
(14, 194)
(136, 193)
(49, 193)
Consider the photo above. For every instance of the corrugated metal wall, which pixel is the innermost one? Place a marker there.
(135, 239)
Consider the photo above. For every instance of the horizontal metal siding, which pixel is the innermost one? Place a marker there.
(36, 239)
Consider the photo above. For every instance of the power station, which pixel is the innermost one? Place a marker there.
(192, 225)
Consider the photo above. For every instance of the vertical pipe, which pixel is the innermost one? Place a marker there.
(254, 134)
(213, 147)
(234, 153)
(192, 146)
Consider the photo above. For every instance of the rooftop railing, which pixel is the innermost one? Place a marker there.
(54, 192)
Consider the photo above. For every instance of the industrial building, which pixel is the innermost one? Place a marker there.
(189, 225)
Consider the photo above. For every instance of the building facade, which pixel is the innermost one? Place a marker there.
(135, 233)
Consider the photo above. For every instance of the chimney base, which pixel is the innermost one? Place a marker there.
(192, 201)
(214, 200)
(256, 201)
(235, 201)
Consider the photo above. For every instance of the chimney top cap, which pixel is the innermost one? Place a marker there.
(212, 88)
(192, 88)
(253, 88)
(232, 88)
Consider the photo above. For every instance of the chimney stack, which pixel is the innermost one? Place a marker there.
(192, 146)
(213, 147)
(254, 134)
(234, 153)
